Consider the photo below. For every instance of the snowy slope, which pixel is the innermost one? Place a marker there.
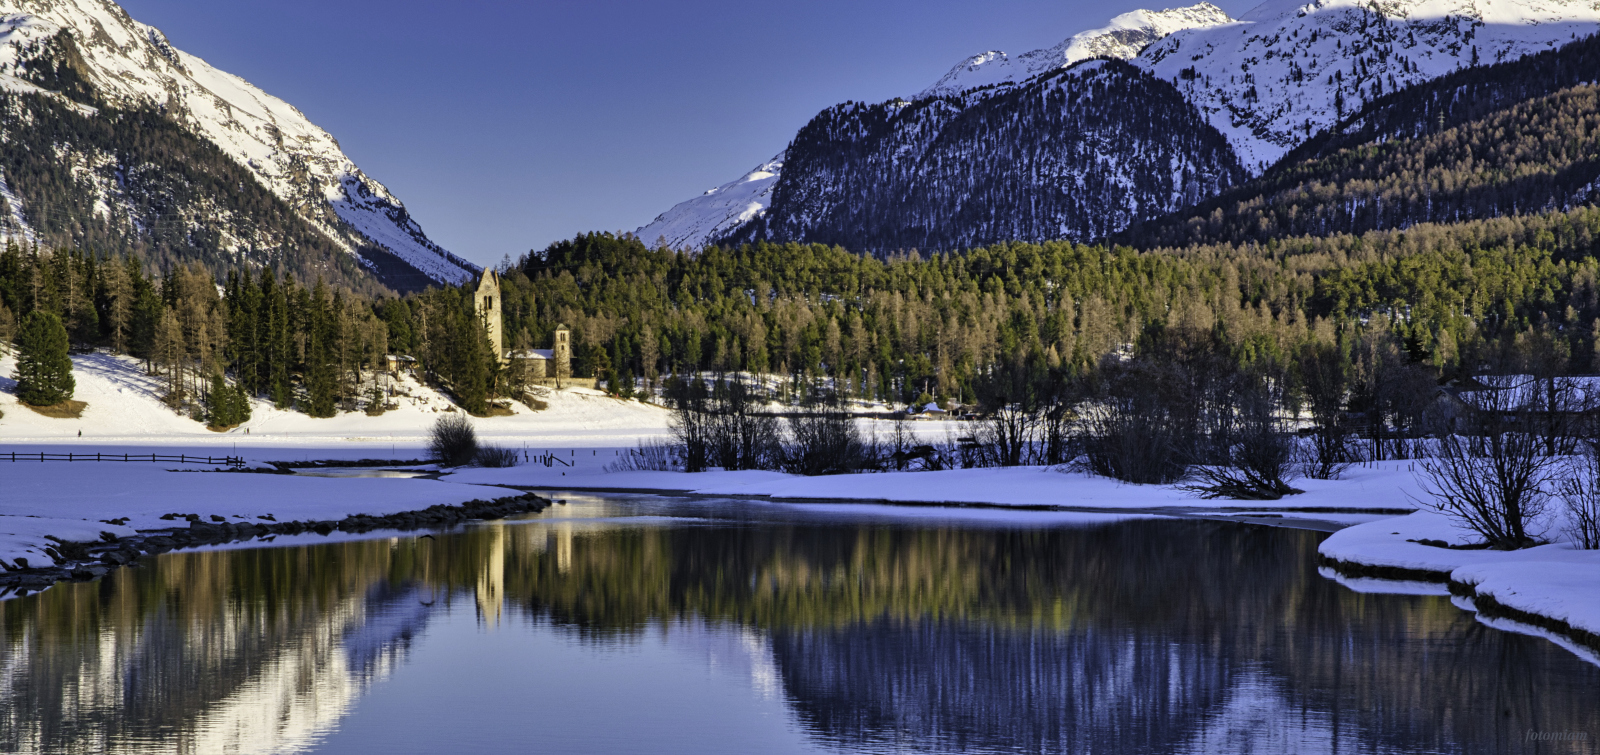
(131, 64)
(689, 225)
(1288, 70)
(1125, 37)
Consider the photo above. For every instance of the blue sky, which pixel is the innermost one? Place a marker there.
(505, 126)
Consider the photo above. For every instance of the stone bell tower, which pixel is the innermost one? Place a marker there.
(561, 353)
(486, 302)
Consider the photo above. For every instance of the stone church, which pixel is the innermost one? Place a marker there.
(554, 363)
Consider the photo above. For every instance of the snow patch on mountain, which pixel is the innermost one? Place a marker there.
(1125, 37)
(132, 64)
(690, 224)
(1290, 69)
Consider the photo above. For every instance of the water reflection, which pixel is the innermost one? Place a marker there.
(872, 635)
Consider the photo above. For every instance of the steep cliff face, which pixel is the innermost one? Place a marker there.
(988, 154)
(94, 62)
(1055, 157)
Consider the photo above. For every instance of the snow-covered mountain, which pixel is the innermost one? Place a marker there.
(1126, 36)
(713, 215)
(717, 212)
(1265, 82)
(91, 52)
(1290, 69)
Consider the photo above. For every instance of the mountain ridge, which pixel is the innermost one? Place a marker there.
(92, 54)
(1267, 82)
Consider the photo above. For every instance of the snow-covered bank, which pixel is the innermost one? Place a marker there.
(1384, 486)
(77, 501)
(1554, 587)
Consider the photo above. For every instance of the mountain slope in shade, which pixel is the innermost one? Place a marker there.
(720, 211)
(1126, 36)
(717, 212)
(93, 53)
(1050, 158)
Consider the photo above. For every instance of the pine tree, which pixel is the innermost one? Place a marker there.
(44, 368)
(322, 384)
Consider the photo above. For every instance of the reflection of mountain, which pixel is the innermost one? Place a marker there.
(1150, 636)
(943, 687)
(235, 651)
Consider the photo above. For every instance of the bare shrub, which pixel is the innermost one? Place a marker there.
(738, 436)
(651, 456)
(1128, 441)
(1580, 492)
(495, 457)
(1325, 381)
(1259, 461)
(825, 442)
(1138, 430)
(452, 442)
(691, 423)
(1493, 480)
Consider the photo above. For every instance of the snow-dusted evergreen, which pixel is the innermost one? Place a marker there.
(1265, 83)
(126, 65)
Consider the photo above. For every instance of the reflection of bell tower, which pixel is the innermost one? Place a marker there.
(486, 303)
(562, 353)
(492, 579)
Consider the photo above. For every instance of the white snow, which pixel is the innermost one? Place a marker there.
(1380, 486)
(69, 500)
(1267, 86)
(1556, 580)
(124, 409)
(133, 64)
(1125, 37)
(690, 225)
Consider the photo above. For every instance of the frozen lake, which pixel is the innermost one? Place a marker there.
(648, 624)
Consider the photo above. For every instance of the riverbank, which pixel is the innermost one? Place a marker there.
(1553, 589)
(1384, 488)
(57, 516)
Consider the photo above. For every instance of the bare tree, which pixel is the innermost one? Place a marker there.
(1579, 489)
(1493, 478)
(1258, 463)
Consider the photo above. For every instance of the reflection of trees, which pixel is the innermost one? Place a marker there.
(1124, 637)
(237, 651)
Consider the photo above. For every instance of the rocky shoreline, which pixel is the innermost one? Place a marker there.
(86, 561)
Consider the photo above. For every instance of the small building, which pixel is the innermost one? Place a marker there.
(399, 364)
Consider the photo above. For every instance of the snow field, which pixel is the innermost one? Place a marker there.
(124, 410)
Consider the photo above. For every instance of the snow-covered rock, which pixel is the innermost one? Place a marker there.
(1125, 37)
(1289, 69)
(130, 64)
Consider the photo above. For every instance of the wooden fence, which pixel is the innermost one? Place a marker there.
(18, 456)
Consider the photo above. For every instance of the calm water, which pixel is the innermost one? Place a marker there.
(637, 624)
